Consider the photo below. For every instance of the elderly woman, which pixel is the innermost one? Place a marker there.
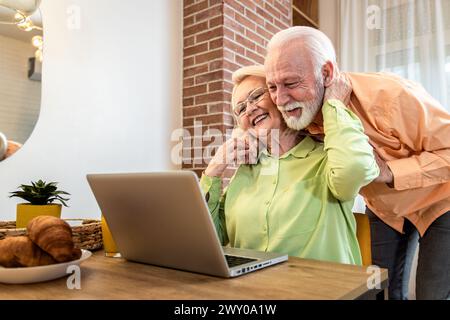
(297, 197)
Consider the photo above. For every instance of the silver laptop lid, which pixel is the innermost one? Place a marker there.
(160, 219)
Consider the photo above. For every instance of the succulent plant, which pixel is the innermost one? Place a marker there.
(40, 193)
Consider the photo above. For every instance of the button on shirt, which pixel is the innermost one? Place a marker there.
(299, 203)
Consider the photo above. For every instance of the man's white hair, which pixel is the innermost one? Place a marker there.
(311, 39)
(242, 73)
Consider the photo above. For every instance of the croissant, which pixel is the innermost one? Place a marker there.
(22, 252)
(54, 236)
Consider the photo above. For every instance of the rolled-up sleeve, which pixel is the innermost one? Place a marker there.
(212, 189)
(422, 125)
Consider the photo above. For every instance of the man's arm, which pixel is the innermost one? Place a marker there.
(421, 124)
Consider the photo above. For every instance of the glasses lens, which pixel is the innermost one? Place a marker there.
(253, 98)
(256, 96)
(240, 108)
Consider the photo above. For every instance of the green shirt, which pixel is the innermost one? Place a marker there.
(300, 203)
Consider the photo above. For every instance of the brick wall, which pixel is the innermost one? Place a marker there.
(220, 36)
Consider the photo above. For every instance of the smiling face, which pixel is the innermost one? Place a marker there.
(295, 85)
(262, 115)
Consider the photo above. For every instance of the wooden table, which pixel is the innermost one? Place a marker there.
(115, 278)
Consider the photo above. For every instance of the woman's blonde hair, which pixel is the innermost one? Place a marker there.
(242, 73)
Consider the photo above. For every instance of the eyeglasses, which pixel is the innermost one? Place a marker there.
(253, 98)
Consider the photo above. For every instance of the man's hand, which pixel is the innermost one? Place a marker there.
(386, 175)
(340, 89)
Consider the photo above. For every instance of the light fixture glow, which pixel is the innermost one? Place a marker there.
(19, 17)
(39, 55)
(15, 11)
(22, 10)
(26, 25)
(27, 7)
(37, 42)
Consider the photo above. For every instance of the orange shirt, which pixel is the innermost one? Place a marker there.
(411, 131)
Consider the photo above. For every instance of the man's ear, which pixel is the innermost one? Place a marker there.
(328, 73)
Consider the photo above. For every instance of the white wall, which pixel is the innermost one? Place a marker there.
(111, 97)
(20, 97)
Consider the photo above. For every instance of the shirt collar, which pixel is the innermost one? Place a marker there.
(301, 150)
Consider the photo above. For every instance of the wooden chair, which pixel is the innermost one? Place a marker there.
(363, 235)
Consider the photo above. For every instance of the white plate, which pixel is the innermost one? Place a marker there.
(40, 274)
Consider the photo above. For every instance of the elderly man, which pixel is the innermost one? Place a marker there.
(410, 133)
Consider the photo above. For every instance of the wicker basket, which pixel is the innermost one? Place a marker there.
(86, 235)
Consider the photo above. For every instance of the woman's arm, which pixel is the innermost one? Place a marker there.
(351, 163)
(211, 187)
(234, 151)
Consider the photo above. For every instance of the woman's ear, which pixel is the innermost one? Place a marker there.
(328, 73)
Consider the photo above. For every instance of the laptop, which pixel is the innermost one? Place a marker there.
(162, 219)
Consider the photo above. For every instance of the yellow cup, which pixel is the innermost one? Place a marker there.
(108, 242)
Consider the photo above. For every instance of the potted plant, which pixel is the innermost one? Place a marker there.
(40, 196)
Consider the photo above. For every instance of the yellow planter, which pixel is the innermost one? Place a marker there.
(26, 212)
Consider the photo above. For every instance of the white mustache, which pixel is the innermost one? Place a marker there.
(291, 106)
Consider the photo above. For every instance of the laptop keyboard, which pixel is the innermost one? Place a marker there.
(236, 261)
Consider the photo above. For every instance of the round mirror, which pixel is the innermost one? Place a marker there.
(21, 45)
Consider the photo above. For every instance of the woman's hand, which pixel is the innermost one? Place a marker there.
(240, 149)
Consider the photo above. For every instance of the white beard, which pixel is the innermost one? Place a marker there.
(306, 118)
(309, 109)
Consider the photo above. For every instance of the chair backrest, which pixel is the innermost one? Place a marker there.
(363, 235)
